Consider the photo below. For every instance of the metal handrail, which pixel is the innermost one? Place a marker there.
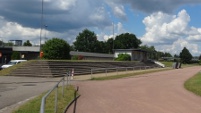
(118, 68)
(43, 102)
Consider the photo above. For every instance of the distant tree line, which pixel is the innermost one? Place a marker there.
(87, 41)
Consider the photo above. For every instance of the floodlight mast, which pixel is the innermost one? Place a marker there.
(41, 29)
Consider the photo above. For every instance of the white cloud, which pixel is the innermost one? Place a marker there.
(14, 31)
(99, 14)
(61, 4)
(177, 46)
(170, 33)
(151, 6)
(107, 32)
(118, 9)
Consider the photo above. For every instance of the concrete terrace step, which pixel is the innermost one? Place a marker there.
(42, 68)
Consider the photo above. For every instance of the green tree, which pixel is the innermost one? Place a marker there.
(185, 56)
(27, 43)
(126, 41)
(8, 44)
(86, 41)
(56, 49)
(166, 54)
(1, 43)
(176, 56)
(153, 54)
(148, 48)
(123, 57)
(109, 45)
(15, 55)
(101, 47)
(200, 57)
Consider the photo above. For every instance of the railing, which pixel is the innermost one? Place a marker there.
(118, 69)
(43, 102)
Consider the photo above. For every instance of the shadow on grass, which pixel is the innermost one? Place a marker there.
(76, 96)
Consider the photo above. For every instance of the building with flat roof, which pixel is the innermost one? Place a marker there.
(5, 54)
(136, 54)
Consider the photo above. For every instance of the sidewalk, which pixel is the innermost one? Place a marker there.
(159, 92)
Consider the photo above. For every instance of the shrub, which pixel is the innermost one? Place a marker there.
(15, 55)
(76, 57)
(56, 49)
(123, 57)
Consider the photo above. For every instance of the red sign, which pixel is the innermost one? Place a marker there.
(41, 54)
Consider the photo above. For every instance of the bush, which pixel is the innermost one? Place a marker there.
(56, 49)
(123, 57)
(15, 55)
(76, 57)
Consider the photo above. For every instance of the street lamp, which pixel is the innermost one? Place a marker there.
(41, 26)
(45, 31)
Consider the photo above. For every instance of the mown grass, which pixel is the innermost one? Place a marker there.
(7, 71)
(33, 106)
(130, 74)
(170, 63)
(194, 84)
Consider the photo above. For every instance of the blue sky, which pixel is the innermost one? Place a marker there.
(168, 25)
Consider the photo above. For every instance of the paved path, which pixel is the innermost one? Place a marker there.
(15, 90)
(161, 92)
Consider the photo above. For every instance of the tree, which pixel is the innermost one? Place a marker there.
(176, 56)
(27, 43)
(56, 49)
(185, 56)
(86, 41)
(109, 45)
(151, 50)
(166, 54)
(15, 55)
(126, 41)
(200, 57)
(123, 57)
(1, 43)
(101, 47)
(8, 44)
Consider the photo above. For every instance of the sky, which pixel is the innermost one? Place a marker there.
(168, 25)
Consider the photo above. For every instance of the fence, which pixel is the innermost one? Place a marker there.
(43, 102)
(118, 69)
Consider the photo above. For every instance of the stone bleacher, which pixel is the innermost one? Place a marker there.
(42, 68)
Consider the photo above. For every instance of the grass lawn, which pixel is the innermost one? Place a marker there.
(130, 74)
(33, 106)
(194, 84)
(10, 69)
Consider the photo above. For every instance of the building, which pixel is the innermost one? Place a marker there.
(136, 54)
(27, 52)
(92, 56)
(5, 54)
(32, 52)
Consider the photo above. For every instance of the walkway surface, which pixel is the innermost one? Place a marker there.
(160, 92)
(16, 90)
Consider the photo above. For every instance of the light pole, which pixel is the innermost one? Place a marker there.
(45, 32)
(41, 26)
(113, 36)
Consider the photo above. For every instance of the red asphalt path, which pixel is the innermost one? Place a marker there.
(160, 92)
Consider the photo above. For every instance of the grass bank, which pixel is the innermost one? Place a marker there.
(33, 106)
(7, 71)
(194, 84)
(139, 72)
